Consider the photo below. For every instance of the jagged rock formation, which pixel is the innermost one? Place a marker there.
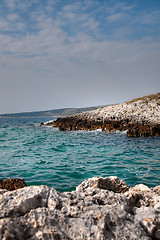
(140, 117)
(100, 208)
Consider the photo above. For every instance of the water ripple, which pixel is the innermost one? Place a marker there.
(64, 159)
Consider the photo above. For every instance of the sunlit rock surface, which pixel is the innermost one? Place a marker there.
(99, 208)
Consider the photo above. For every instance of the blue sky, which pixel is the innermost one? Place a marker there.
(76, 53)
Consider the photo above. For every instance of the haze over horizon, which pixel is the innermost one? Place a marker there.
(75, 53)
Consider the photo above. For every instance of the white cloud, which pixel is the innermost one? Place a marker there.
(91, 23)
(12, 17)
(149, 18)
(11, 4)
(4, 25)
(76, 17)
(11, 24)
(49, 50)
(63, 52)
(50, 4)
(116, 17)
(51, 45)
(20, 5)
(85, 66)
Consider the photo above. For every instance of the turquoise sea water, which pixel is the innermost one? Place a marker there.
(44, 155)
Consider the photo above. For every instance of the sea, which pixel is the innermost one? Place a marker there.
(62, 160)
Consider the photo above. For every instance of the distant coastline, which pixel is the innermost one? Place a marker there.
(62, 112)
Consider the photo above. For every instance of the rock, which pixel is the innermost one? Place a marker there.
(90, 212)
(141, 187)
(21, 201)
(112, 183)
(157, 207)
(147, 216)
(12, 184)
(140, 117)
(145, 130)
(157, 189)
(157, 234)
(2, 191)
(141, 195)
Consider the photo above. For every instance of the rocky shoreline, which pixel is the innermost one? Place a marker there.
(139, 117)
(99, 208)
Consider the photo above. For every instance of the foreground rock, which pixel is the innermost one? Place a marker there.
(140, 117)
(100, 208)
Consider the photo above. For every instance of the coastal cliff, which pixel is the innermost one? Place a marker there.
(140, 117)
(99, 208)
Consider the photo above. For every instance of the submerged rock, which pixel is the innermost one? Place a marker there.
(100, 208)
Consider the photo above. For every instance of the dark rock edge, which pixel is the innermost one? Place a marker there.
(11, 184)
(134, 129)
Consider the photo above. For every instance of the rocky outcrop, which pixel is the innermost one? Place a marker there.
(139, 117)
(143, 129)
(12, 184)
(99, 208)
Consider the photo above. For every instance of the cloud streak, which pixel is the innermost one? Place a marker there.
(73, 50)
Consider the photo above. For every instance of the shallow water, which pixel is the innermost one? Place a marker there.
(44, 155)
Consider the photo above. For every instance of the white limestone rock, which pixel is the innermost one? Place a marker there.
(90, 212)
(148, 111)
(112, 183)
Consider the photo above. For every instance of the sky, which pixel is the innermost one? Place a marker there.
(77, 53)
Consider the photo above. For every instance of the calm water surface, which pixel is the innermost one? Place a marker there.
(44, 155)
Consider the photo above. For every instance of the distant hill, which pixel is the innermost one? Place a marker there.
(51, 113)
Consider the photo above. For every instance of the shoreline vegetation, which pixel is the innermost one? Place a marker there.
(99, 208)
(139, 117)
